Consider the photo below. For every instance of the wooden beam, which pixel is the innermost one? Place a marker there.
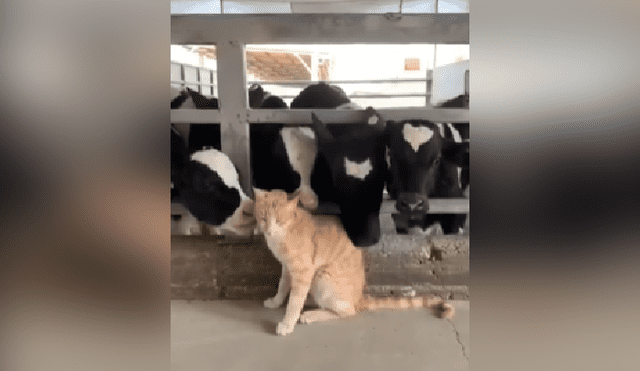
(208, 29)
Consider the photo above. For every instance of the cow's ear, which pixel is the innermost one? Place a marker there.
(322, 133)
(456, 153)
(373, 118)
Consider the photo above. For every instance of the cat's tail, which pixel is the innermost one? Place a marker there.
(442, 308)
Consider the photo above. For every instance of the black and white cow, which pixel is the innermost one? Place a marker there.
(424, 163)
(223, 206)
(283, 156)
(354, 168)
(345, 165)
(211, 191)
(462, 134)
(258, 98)
(201, 136)
(191, 99)
(207, 184)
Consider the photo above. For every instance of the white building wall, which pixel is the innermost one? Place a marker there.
(448, 81)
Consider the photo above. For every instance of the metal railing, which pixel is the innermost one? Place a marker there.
(211, 84)
(234, 115)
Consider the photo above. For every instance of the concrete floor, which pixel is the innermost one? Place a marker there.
(240, 335)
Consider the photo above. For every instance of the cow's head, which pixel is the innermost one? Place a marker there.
(202, 102)
(423, 164)
(211, 192)
(356, 162)
(256, 95)
(320, 95)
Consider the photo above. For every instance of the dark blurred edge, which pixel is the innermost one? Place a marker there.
(85, 248)
(84, 264)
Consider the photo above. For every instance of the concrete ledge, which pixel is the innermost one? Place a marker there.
(215, 267)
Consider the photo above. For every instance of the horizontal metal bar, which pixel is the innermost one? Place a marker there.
(328, 116)
(191, 66)
(209, 29)
(421, 95)
(382, 81)
(192, 83)
(436, 206)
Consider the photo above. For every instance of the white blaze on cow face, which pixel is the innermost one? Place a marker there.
(456, 134)
(357, 169)
(416, 136)
(456, 138)
(301, 150)
(220, 163)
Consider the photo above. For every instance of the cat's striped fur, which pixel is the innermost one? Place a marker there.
(318, 257)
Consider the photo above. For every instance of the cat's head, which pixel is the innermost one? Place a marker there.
(274, 210)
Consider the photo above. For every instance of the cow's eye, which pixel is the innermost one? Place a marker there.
(436, 161)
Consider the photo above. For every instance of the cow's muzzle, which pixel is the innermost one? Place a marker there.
(412, 203)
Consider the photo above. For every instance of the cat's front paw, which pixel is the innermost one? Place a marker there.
(272, 303)
(284, 329)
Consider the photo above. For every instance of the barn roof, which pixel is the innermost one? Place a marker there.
(272, 65)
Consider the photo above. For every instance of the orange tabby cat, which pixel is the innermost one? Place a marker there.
(318, 257)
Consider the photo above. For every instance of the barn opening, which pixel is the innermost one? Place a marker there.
(442, 76)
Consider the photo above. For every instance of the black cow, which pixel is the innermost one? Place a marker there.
(424, 163)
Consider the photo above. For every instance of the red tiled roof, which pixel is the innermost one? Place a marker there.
(273, 66)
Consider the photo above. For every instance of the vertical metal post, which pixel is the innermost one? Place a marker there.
(182, 76)
(466, 82)
(435, 46)
(200, 90)
(232, 95)
(435, 51)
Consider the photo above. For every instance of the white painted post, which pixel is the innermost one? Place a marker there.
(232, 95)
